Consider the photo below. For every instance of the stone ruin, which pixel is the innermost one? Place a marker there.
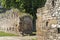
(11, 22)
(48, 21)
(26, 25)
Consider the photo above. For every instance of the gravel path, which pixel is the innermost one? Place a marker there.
(18, 38)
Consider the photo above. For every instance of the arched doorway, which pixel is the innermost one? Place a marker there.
(26, 25)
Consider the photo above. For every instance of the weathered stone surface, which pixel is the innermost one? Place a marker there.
(46, 17)
(13, 22)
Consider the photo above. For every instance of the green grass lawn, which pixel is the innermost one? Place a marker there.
(6, 34)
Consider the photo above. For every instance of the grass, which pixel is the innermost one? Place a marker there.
(34, 39)
(6, 34)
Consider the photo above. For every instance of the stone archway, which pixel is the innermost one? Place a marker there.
(25, 25)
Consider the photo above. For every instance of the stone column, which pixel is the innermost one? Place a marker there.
(40, 27)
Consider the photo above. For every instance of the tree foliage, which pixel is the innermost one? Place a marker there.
(28, 6)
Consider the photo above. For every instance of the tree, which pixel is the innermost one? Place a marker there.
(29, 5)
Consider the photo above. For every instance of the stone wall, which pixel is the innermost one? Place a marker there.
(11, 20)
(48, 21)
